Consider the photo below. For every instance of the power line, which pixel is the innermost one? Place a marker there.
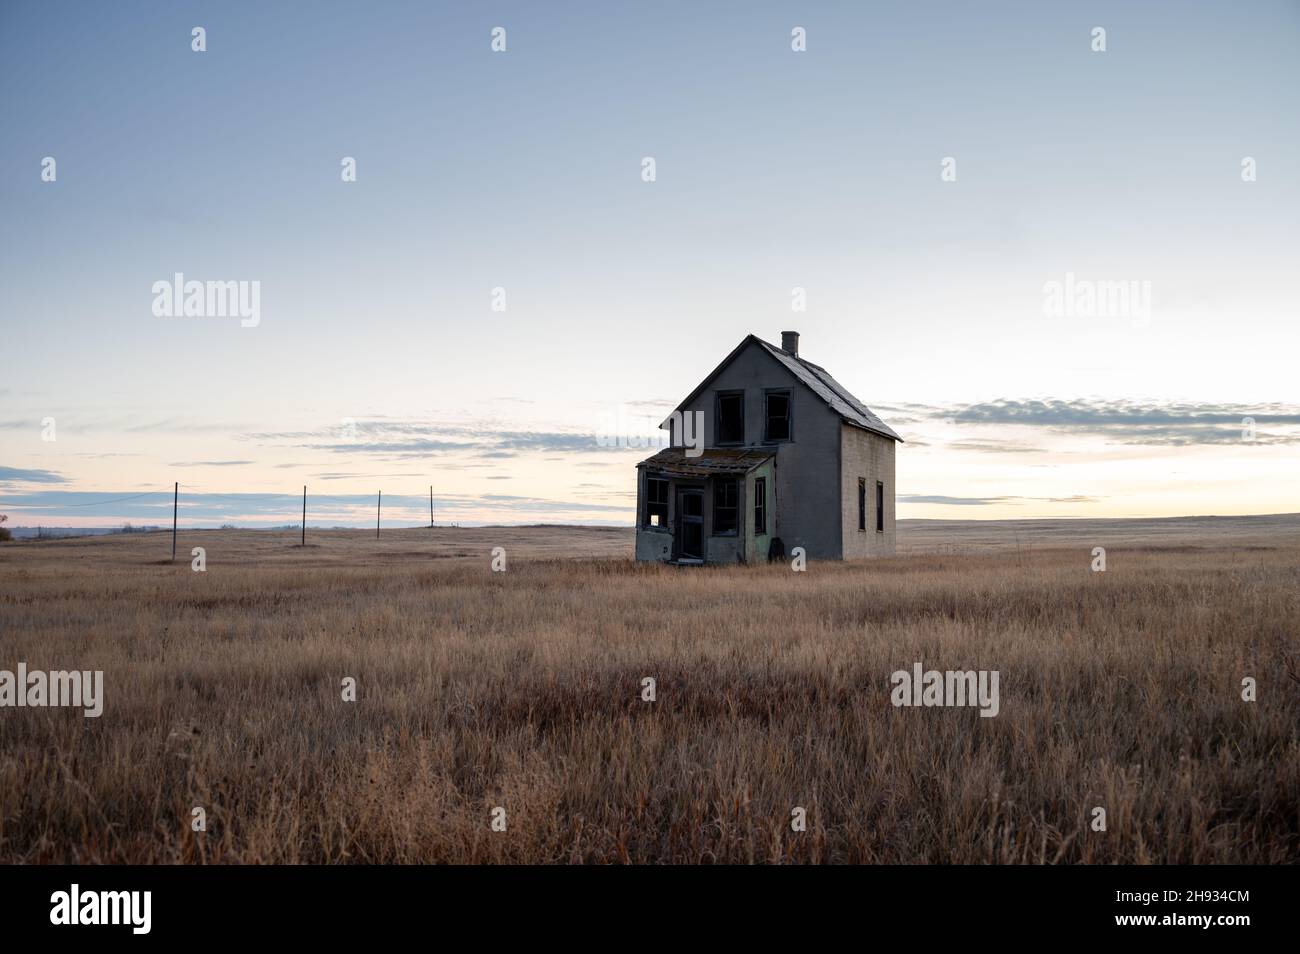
(192, 489)
(209, 493)
(100, 503)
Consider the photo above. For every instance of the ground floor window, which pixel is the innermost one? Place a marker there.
(726, 500)
(656, 502)
(760, 505)
(862, 503)
(880, 507)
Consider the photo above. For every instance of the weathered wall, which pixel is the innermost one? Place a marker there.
(652, 544)
(756, 544)
(728, 549)
(869, 456)
(807, 478)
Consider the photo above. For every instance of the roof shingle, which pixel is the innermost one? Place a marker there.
(714, 460)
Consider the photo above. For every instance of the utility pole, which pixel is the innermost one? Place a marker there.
(176, 499)
(304, 514)
(431, 506)
(378, 508)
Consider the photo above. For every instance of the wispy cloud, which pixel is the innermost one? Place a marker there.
(945, 500)
(17, 475)
(995, 447)
(1169, 424)
(78, 421)
(400, 440)
(212, 463)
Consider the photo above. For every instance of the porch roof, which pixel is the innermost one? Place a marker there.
(713, 460)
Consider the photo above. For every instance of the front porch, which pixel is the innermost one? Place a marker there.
(717, 507)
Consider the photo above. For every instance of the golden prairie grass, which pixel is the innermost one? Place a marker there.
(523, 690)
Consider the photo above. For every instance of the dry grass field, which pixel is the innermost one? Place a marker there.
(522, 690)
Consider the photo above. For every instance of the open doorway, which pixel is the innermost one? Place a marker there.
(690, 524)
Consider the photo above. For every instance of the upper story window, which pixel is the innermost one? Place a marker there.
(777, 426)
(731, 417)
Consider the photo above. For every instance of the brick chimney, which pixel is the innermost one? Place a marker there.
(790, 341)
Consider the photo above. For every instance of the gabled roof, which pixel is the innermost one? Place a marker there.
(816, 378)
(714, 460)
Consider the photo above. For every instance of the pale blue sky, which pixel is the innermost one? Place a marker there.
(522, 170)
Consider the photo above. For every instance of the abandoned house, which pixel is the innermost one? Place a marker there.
(769, 453)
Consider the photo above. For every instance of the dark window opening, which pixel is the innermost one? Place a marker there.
(862, 503)
(726, 498)
(731, 418)
(880, 507)
(760, 505)
(690, 524)
(656, 502)
(692, 504)
(778, 416)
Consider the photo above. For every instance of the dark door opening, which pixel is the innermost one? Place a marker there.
(690, 525)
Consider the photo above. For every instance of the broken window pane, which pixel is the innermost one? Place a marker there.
(656, 506)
